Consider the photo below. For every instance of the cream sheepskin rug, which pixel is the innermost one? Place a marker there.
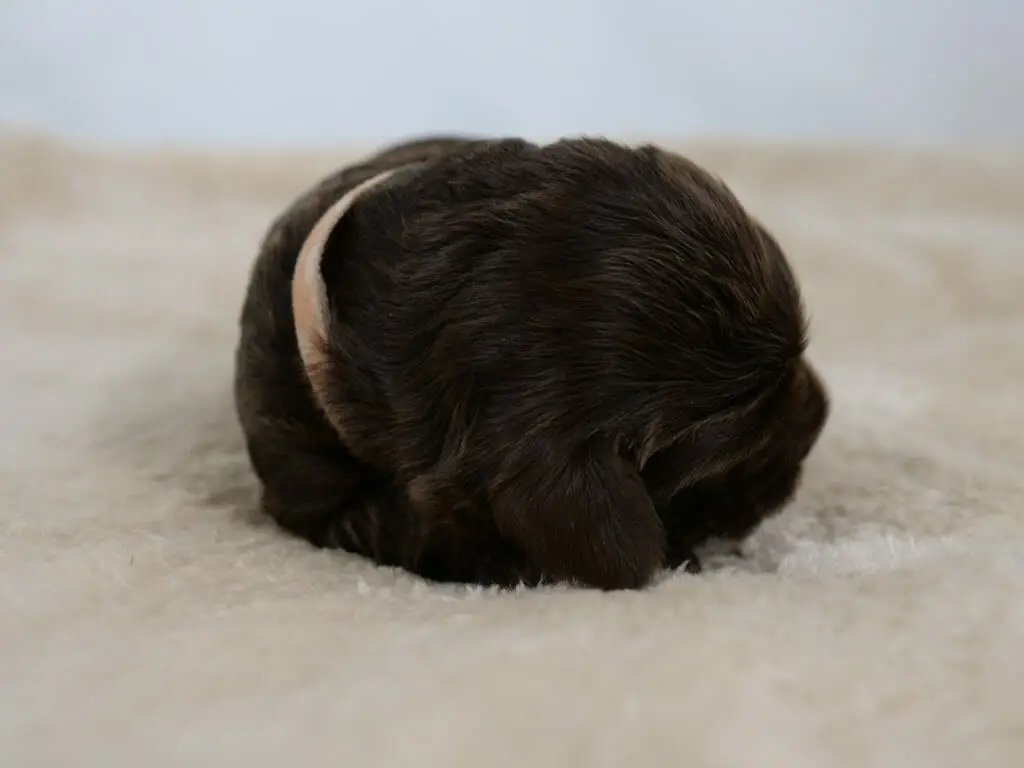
(149, 618)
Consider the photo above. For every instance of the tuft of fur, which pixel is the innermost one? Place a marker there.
(568, 362)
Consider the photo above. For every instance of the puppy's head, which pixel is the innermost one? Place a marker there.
(735, 399)
(669, 314)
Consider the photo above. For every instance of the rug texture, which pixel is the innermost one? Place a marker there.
(148, 616)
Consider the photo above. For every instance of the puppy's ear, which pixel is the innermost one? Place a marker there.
(583, 515)
(310, 305)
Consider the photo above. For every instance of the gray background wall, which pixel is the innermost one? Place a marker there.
(321, 71)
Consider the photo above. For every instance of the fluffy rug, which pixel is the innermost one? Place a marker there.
(148, 617)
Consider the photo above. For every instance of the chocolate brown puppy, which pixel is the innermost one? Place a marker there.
(496, 362)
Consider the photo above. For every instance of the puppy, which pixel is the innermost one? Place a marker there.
(496, 362)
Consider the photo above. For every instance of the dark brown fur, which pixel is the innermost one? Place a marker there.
(573, 362)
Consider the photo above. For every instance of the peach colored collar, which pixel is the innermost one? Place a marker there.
(309, 295)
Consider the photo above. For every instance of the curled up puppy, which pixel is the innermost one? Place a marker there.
(496, 362)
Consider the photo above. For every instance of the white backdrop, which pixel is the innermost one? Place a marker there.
(320, 71)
